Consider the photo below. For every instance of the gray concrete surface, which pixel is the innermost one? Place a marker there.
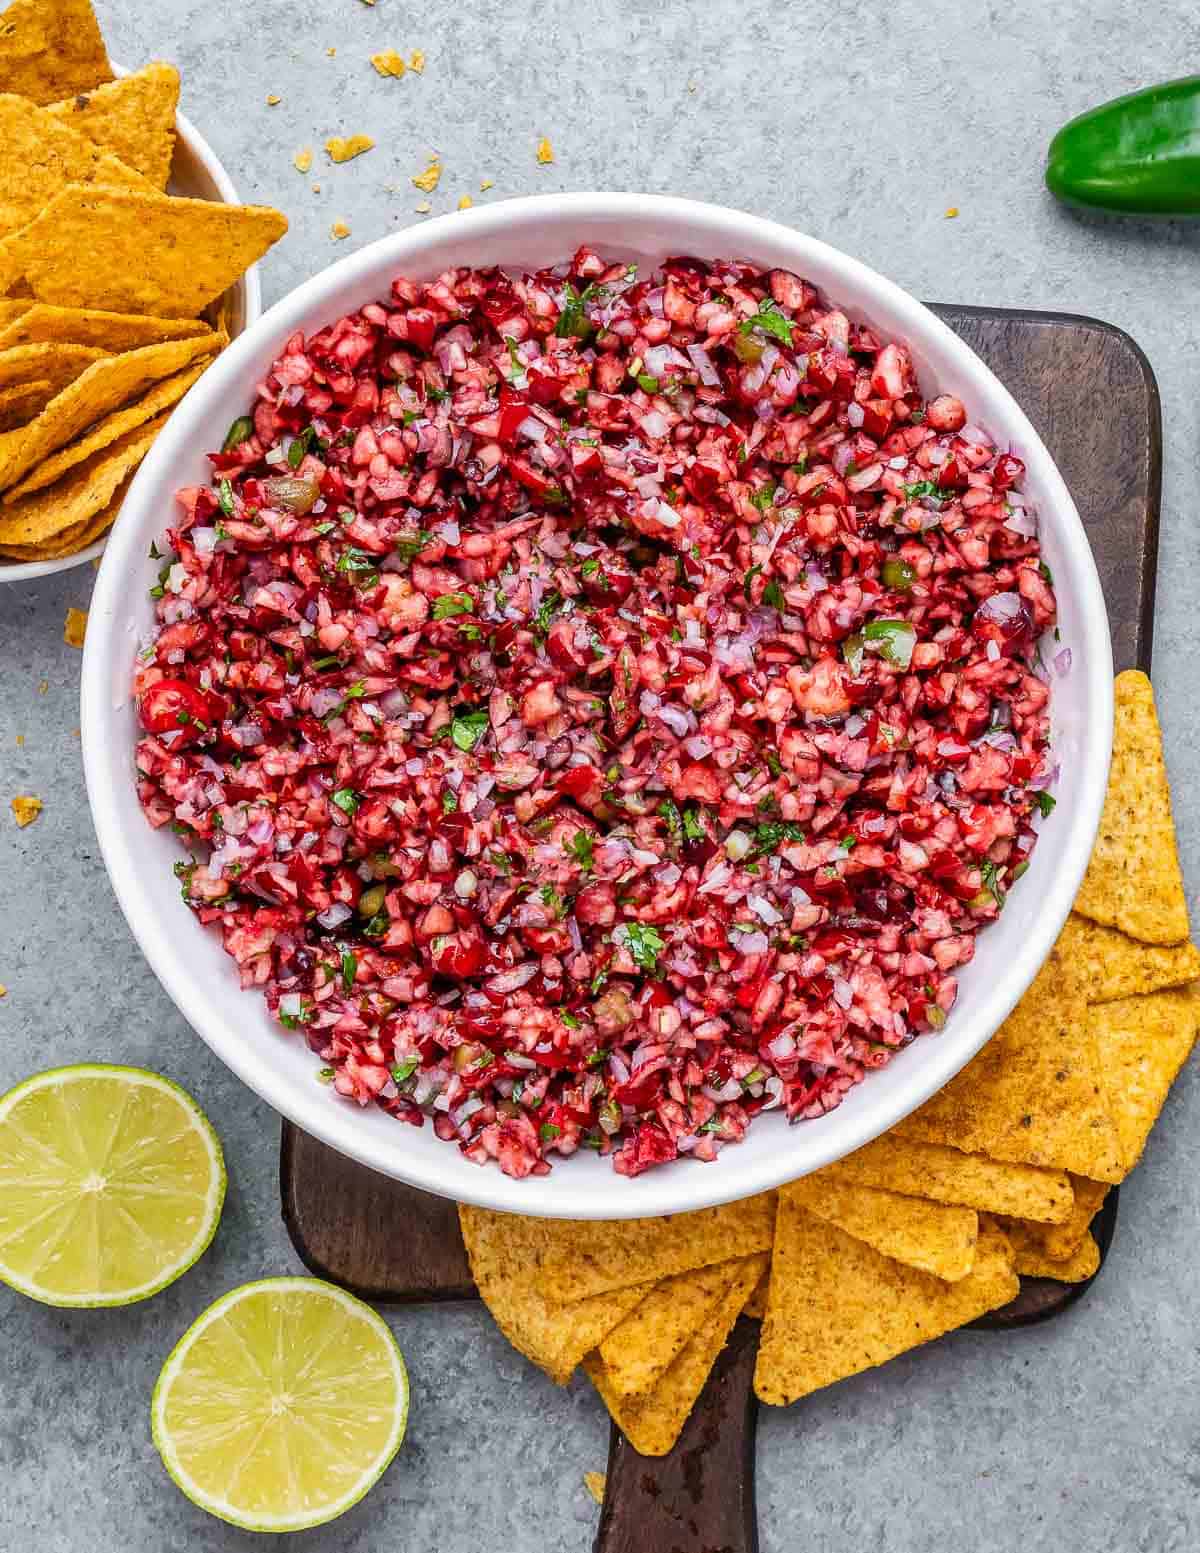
(861, 124)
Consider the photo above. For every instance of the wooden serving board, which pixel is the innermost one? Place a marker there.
(1091, 394)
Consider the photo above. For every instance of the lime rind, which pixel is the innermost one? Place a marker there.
(175, 1364)
(80, 1072)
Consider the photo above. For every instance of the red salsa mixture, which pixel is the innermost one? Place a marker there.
(600, 706)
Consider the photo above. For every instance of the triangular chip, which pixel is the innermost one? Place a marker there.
(1114, 966)
(104, 432)
(51, 363)
(134, 118)
(39, 322)
(948, 1175)
(104, 387)
(42, 156)
(22, 401)
(1143, 1043)
(133, 252)
(78, 537)
(588, 1257)
(86, 491)
(1034, 1093)
(935, 1237)
(506, 1253)
(1133, 881)
(636, 1352)
(836, 1306)
(1031, 1260)
(51, 49)
(654, 1420)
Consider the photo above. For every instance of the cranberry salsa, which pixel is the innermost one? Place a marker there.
(600, 706)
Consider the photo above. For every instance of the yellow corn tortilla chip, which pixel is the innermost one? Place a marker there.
(1114, 966)
(39, 323)
(506, 1253)
(57, 365)
(78, 537)
(756, 1306)
(51, 48)
(1060, 1241)
(584, 1258)
(1143, 1043)
(133, 118)
(653, 1420)
(636, 1352)
(882, 1307)
(139, 252)
(1031, 1261)
(104, 432)
(86, 491)
(11, 308)
(596, 1484)
(42, 156)
(104, 387)
(948, 1175)
(1034, 1093)
(1133, 881)
(936, 1237)
(20, 402)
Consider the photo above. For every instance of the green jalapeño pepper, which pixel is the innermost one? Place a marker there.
(1139, 155)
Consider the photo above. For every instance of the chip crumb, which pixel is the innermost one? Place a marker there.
(273, 99)
(345, 148)
(545, 151)
(316, 188)
(26, 810)
(691, 86)
(595, 1483)
(423, 208)
(303, 159)
(486, 185)
(388, 62)
(416, 60)
(951, 212)
(76, 625)
(4, 994)
(43, 686)
(338, 230)
(20, 740)
(332, 53)
(430, 178)
(465, 202)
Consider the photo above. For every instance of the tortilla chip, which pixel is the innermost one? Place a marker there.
(11, 308)
(588, 1257)
(41, 157)
(1114, 966)
(948, 1175)
(1032, 1261)
(506, 1253)
(836, 1306)
(596, 1484)
(104, 387)
(25, 809)
(1143, 1043)
(1034, 1093)
(72, 540)
(86, 491)
(636, 1352)
(104, 432)
(139, 252)
(51, 48)
(57, 365)
(935, 1237)
(654, 1420)
(133, 118)
(1059, 1241)
(756, 1306)
(38, 323)
(22, 401)
(1133, 881)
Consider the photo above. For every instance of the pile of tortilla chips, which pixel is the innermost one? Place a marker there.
(930, 1226)
(103, 275)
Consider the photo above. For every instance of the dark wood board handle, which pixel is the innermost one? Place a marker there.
(1090, 393)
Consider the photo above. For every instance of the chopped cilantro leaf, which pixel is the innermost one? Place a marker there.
(643, 942)
(1045, 802)
(693, 825)
(225, 498)
(448, 604)
(346, 799)
(769, 320)
(773, 595)
(349, 969)
(467, 729)
(580, 848)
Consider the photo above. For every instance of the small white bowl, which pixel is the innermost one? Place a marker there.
(197, 174)
(203, 981)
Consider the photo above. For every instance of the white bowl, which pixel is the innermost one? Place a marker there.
(203, 981)
(197, 174)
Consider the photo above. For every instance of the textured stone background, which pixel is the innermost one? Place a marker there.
(860, 124)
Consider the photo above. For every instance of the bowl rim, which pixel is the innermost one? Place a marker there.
(185, 130)
(657, 1192)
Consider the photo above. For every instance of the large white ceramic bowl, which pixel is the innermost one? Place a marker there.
(203, 981)
(197, 174)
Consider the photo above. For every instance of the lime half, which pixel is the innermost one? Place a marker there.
(281, 1405)
(111, 1185)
